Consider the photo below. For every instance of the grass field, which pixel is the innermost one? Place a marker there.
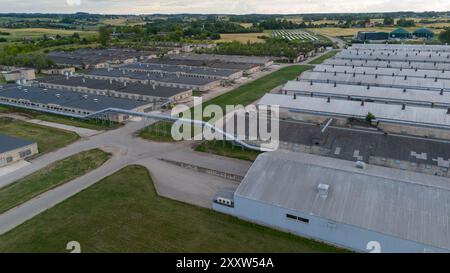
(32, 33)
(242, 37)
(123, 213)
(50, 177)
(88, 124)
(226, 148)
(159, 131)
(324, 57)
(47, 138)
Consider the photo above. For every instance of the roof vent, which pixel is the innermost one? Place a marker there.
(323, 190)
(360, 164)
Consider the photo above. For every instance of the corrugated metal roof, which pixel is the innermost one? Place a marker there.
(403, 47)
(146, 76)
(381, 93)
(8, 143)
(388, 81)
(388, 63)
(226, 58)
(129, 88)
(418, 116)
(420, 73)
(408, 205)
(392, 57)
(69, 99)
(197, 70)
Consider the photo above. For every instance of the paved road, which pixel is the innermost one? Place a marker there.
(170, 181)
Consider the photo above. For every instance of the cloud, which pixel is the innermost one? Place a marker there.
(73, 2)
(222, 6)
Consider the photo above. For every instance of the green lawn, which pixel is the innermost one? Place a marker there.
(159, 131)
(324, 57)
(47, 138)
(123, 213)
(226, 148)
(50, 177)
(88, 124)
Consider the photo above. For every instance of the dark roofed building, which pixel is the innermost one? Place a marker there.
(400, 33)
(13, 149)
(372, 36)
(68, 102)
(423, 33)
(135, 91)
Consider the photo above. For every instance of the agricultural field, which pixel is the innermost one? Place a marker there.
(33, 33)
(242, 37)
(294, 35)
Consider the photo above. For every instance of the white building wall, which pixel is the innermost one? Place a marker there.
(339, 234)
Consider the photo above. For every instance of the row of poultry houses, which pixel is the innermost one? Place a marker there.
(377, 203)
(403, 100)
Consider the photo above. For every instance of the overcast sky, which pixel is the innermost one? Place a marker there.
(220, 6)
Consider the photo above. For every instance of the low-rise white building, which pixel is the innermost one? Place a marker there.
(355, 206)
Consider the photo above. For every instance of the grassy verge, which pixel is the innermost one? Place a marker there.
(47, 138)
(123, 213)
(50, 177)
(226, 148)
(87, 124)
(159, 131)
(324, 57)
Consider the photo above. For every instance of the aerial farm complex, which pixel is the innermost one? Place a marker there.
(363, 152)
(363, 155)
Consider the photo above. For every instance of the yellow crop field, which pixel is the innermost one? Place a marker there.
(31, 33)
(242, 37)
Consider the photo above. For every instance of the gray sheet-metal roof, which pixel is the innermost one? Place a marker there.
(224, 58)
(420, 73)
(212, 64)
(68, 99)
(193, 70)
(417, 116)
(398, 95)
(346, 54)
(388, 63)
(93, 56)
(8, 143)
(401, 53)
(145, 76)
(387, 81)
(408, 205)
(438, 48)
(130, 88)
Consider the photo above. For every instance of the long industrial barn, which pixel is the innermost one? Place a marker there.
(343, 203)
(192, 71)
(79, 104)
(388, 64)
(162, 79)
(378, 80)
(369, 93)
(385, 71)
(136, 91)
